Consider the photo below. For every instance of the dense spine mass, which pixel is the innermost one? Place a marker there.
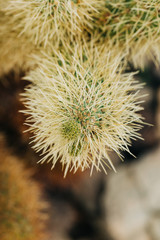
(52, 22)
(130, 19)
(133, 25)
(82, 108)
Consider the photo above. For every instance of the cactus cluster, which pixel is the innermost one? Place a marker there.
(81, 103)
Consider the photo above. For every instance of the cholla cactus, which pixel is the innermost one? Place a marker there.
(21, 215)
(133, 25)
(51, 20)
(27, 26)
(129, 25)
(14, 51)
(81, 108)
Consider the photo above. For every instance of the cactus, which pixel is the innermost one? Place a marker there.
(81, 107)
(51, 21)
(21, 207)
(14, 51)
(133, 25)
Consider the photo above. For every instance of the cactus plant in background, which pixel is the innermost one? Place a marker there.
(30, 26)
(52, 21)
(133, 25)
(14, 51)
(81, 107)
(21, 207)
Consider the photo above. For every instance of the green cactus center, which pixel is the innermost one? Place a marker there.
(75, 149)
(71, 130)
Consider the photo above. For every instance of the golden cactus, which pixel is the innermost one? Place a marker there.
(21, 207)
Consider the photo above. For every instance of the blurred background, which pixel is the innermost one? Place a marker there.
(118, 206)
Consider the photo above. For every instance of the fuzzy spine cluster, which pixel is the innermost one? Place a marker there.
(79, 111)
